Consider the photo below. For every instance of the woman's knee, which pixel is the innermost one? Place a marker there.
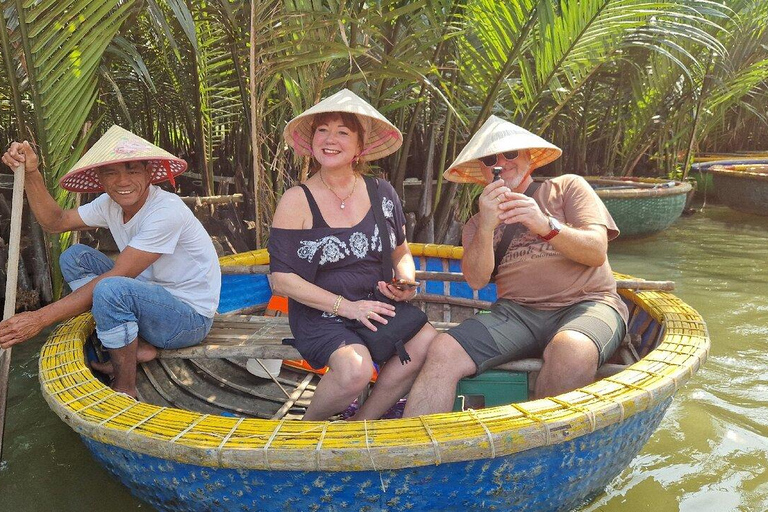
(353, 370)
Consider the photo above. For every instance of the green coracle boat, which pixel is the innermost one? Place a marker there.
(642, 206)
(743, 187)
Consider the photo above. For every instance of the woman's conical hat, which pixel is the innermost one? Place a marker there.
(382, 138)
(119, 145)
(494, 137)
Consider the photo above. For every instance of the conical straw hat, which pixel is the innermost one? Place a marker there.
(494, 137)
(382, 138)
(119, 145)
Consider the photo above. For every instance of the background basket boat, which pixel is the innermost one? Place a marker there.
(642, 206)
(202, 441)
(699, 169)
(743, 187)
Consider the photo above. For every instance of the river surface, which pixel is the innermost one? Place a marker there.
(709, 454)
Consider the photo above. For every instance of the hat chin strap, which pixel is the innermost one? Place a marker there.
(299, 142)
(391, 134)
(530, 171)
(169, 173)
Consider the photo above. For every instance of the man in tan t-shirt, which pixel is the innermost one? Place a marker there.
(556, 292)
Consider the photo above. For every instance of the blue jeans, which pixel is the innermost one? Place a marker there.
(125, 308)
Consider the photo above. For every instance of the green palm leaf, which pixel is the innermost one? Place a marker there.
(62, 43)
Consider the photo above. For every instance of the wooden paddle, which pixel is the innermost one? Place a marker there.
(12, 276)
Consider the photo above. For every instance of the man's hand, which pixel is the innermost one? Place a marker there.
(493, 196)
(524, 209)
(21, 153)
(19, 328)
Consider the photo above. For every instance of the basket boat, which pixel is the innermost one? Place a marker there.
(208, 436)
(742, 187)
(739, 157)
(642, 206)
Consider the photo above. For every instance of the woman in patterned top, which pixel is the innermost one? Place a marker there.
(326, 256)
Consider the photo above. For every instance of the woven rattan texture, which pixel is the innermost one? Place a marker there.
(96, 412)
(743, 188)
(637, 216)
(554, 477)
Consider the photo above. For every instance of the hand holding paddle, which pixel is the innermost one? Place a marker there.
(12, 275)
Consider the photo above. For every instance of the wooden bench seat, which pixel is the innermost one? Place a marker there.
(254, 336)
(261, 337)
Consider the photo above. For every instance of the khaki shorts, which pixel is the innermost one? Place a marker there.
(511, 331)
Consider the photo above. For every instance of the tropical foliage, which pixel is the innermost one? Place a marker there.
(623, 86)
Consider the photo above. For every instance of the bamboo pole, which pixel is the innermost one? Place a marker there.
(426, 275)
(12, 274)
(208, 200)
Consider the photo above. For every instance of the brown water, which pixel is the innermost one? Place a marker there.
(709, 454)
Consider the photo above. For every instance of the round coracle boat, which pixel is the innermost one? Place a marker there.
(642, 206)
(742, 187)
(740, 157)
(209, 435)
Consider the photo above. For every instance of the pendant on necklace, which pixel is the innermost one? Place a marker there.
(342, 205)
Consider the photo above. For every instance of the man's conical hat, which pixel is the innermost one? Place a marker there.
(382, 138)
(494, 137)
(119, 145)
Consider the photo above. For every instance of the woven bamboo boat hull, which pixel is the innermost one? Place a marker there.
(742, 187)
(548, 454)
(642, 206)
(450, 486)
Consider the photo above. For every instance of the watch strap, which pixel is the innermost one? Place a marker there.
(555, 230)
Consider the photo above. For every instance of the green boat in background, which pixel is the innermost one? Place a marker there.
(742, 187)
(642, 206)
(702, 163)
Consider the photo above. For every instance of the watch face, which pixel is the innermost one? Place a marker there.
(555, 224)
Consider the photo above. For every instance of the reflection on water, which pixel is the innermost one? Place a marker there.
(709, 454)
(45, 465)
(711, 450)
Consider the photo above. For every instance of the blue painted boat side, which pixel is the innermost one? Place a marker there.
(549, 478)
(240, 291)
(245, 290)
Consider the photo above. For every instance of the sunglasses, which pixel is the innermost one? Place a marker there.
(491, 160)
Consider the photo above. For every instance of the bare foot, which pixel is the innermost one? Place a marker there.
(109, 370)
(144, 353)
(133, 393)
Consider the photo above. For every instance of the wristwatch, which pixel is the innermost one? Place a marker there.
(554, 226)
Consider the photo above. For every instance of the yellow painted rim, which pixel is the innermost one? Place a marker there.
(745, 171)
(95, 411)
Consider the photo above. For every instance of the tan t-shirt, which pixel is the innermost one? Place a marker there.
(534, 273)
